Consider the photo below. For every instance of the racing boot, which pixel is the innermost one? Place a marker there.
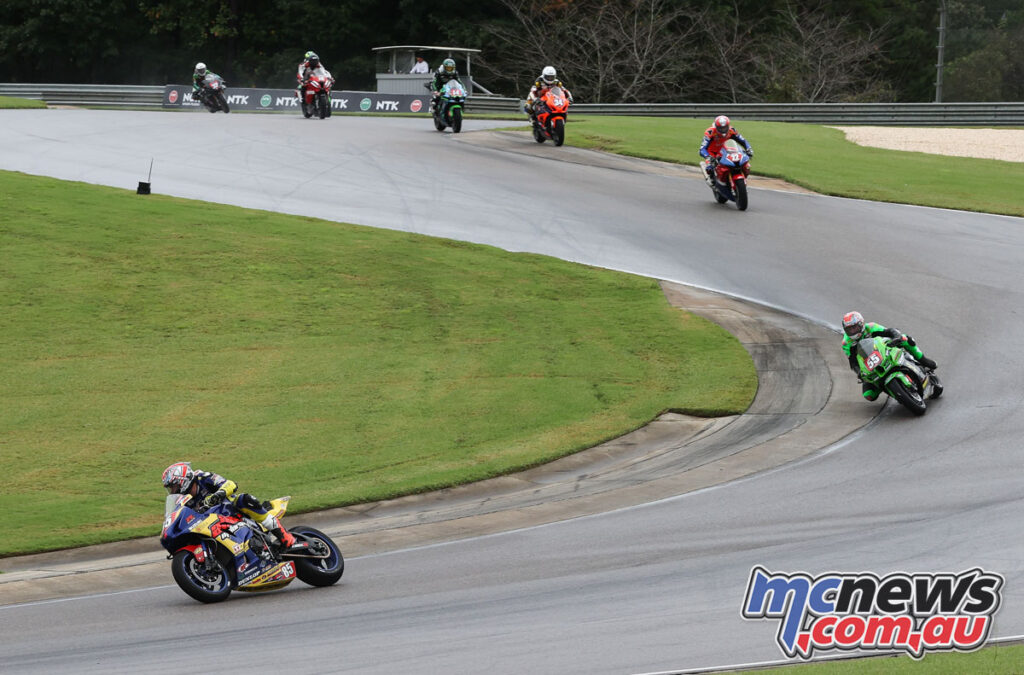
(274, 527)
(927, 362)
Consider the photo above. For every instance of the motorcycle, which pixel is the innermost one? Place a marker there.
(217, 550)
(885, 364)
(448, 106)
(549, 116)
(212, 93)
(317, 99)
(728, 177)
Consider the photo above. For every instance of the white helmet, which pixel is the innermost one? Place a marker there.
(548, 74)
(201, 68)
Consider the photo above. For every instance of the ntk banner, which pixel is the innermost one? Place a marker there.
(277, 100)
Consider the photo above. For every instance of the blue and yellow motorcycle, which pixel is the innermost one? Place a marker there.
(218, 550)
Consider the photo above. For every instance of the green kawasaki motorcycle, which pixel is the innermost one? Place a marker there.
(891, 369)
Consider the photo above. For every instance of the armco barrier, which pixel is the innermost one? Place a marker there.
(907, 114)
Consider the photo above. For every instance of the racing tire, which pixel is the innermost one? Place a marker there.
(910, 400)
(456, 120)
(307, 109)
(222, 102)
(199, 582)
(558, 131)
(318, 571)
(719, 197)
(439, 122)
(538, 135)
(321, 105)
(741, 194)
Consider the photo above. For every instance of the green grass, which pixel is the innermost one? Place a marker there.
(821, 159)
(335, 363)
(993, 660)
(11, 102)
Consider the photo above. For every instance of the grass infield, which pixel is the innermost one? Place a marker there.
(335, 363)
(12, 102)
(821, 159)
(992, 660)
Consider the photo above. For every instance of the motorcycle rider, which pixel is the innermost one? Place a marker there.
(444, 73)
(310, 63)
(715, 137)
(210, 489)
(199, 80)
(855, 329)
(548, 78)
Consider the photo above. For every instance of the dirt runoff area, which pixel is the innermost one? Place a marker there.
(1004, 144)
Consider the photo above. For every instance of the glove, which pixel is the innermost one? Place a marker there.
(909, 340)
(750, 153)
(214, 499)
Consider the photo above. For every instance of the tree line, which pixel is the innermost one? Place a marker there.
(606, 50)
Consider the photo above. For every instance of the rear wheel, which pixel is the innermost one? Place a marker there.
(456, 120)
(222, 101)
(318, 571)
(910, 399)
(558, 131)
(538, 135)
(206, 582)
(307, 109)
(741, 194)
(439, 120)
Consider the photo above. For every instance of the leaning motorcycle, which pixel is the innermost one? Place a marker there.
(317, 99)
(217, 550)
(549, 119)
(212, 93)
(728, 178)
(891, 368)
(449, 105)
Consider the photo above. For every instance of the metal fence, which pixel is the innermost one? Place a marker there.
(908, 114)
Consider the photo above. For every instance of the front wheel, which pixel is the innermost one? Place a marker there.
(456, 120)
(206, 582)
(321, 104)
(741, 194)
(558, 131)
(318, 571)
(222, 101)
(910, 399)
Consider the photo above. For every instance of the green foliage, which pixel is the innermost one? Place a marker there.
(334, 363)
(11, 102)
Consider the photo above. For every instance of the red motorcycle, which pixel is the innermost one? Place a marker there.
(549, 116)
(317, 100)
(730, 170)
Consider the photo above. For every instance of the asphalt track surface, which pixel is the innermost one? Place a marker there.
(656, 587)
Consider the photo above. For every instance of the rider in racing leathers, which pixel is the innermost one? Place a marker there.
(445, 72)
(855, 329)
(209, 489)
(715, 137)
(199, 80)
(310, 63)
(548, 78)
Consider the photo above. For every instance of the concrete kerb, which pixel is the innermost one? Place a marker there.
(806, 400)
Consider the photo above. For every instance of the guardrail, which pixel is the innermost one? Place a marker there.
(909, 114)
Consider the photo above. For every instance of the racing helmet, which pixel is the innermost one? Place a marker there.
(548, 74)
(314, 61)
(200, 69)
(722, 125)
(309, 55)
(448, 65)
(178, 478)
(853, 325)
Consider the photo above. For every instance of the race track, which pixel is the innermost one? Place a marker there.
(651, 588)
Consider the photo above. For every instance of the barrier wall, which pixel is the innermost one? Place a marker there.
(277, 100)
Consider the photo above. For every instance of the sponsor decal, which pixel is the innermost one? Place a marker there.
(172, 97)
(339, 103)
(388, 106)
(266, 100)
(416, 105)
(364, 105)
(915, 613)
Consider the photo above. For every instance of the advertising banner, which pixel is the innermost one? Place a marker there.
(278, 100)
